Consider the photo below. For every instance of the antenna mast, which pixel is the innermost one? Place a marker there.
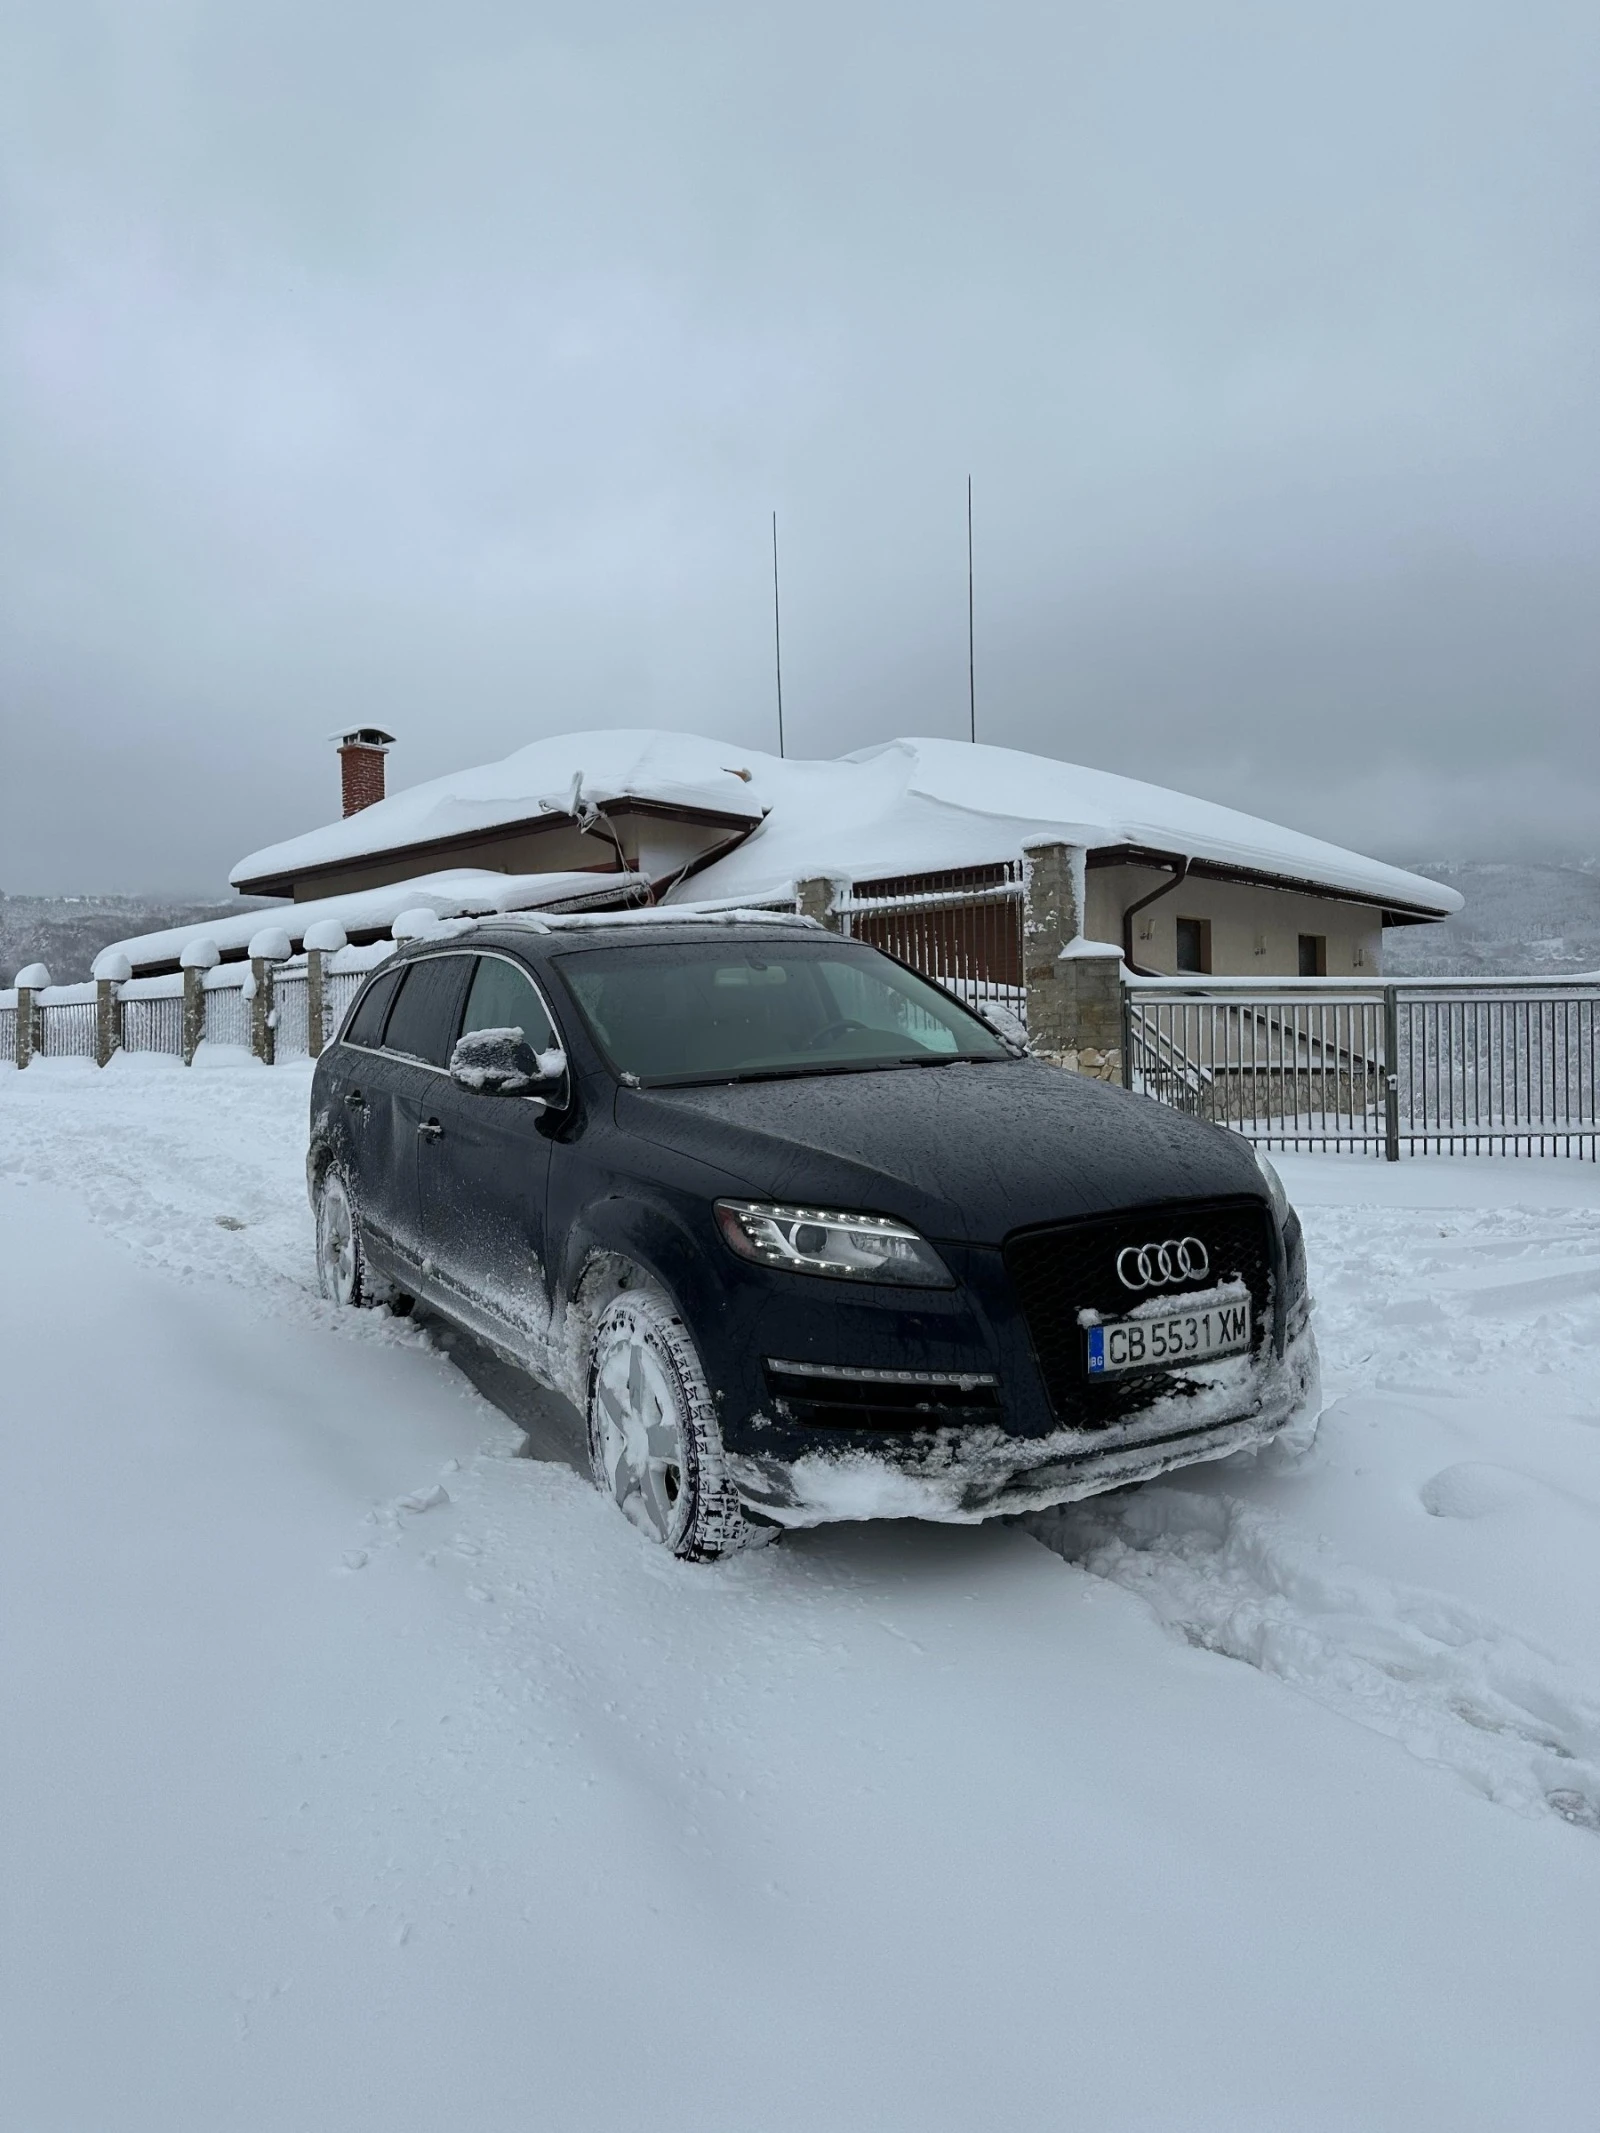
(972, 674)
(777, 631)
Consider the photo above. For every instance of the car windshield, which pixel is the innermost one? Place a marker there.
(682, 1011)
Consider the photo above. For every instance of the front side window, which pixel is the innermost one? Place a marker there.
(502, 997)
(422, 1022)
(700, 1011)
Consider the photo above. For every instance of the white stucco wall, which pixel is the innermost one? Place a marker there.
(1255, 932)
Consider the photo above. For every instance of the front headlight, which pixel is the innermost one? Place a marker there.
(817, 1240)
(1280, 1199)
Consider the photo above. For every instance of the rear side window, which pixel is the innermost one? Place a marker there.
(423, 1021)
(366, 1024)
(503, 998)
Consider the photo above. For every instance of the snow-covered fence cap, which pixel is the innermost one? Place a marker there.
(202, 953)
(327, 935)
(112, 965)
(270, 945)
(34, 978)
(416, 924)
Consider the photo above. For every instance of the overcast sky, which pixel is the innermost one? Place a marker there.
(442, 366)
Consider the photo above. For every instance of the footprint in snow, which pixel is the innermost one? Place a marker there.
(1475, 1489)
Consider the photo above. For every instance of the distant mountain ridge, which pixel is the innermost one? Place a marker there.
(1527, 918)
(66, 933)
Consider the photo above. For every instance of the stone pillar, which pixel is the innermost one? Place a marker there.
(316, 1035)
(816, 898)
(27, 1025)
(1074, 984)
(263, 1020)
(107, 1020)
(194, 1011)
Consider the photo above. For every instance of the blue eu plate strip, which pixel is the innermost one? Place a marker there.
(1097, 1349)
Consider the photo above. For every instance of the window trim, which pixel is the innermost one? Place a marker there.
(383, 1051)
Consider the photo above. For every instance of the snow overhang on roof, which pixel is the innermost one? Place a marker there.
(557, 780)
(367, 914)
(919, 806)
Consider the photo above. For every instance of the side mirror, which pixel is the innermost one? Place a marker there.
(501, 1062)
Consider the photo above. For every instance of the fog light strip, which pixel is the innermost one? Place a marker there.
(964, 1381)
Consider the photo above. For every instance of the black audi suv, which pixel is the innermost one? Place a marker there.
(798, 1234)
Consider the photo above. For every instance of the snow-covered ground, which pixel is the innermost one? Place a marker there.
(358, 1771)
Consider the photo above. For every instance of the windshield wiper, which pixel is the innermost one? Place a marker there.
(834, 1066)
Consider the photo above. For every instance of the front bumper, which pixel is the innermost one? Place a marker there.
(963, 1476)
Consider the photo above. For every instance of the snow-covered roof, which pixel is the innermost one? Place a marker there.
(459, 892)
(906, 807)
(669, 769)
(922, 806)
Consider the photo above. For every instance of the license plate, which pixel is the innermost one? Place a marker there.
(1174, 1337)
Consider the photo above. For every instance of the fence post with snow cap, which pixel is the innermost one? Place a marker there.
(198, 956)
(112, 970)
(324, 938)
(1074, 985)
(268, 947)
(818, 898)
(30, 1018)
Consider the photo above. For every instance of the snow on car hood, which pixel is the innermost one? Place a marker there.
(966, 1153)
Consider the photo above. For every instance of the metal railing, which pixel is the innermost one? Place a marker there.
(963, 928)
(1426, 1067)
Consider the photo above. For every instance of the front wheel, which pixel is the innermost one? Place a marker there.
(653, 1437)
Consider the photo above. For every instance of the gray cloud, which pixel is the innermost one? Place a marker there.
(443, 366)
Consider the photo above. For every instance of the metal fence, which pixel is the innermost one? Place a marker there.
(150, 1025)
(1430, 1067)
(67, 1028)
(963, 928)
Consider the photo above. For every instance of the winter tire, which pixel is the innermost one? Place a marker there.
(341, 1262)
(653, 1439)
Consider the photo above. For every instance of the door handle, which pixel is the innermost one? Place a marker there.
(356, 1101)
(429, 1129)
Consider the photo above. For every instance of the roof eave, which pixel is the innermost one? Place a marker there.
(283, 882)
(1395, 913)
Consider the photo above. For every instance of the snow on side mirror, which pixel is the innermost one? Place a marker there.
(501, 1062)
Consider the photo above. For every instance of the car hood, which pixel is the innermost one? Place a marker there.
(964, 1153)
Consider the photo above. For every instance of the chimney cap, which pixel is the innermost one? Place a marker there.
(363, 737)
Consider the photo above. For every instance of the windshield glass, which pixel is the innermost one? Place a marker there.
(748, 1010)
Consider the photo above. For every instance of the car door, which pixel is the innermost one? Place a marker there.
(363, 1131)
(483, 1173)
(416, 1042)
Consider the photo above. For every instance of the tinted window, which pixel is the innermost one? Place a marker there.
(503, 998)
(423, 1020)
(366, 1024)
(700, 1011)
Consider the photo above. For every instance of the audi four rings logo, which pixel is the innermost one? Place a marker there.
(1151, 1266)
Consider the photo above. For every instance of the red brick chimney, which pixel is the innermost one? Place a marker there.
(361, 753)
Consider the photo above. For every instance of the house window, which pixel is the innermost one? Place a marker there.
(1313, 955)
(1194, 944)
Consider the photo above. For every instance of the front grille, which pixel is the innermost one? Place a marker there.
(811, 1396)
(1059, 1272)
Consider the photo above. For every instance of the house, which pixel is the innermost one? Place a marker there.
(1178, 884)
(655, 803)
